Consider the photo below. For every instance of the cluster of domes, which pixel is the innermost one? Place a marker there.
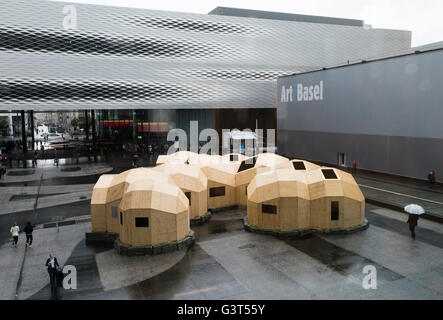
(152, 206)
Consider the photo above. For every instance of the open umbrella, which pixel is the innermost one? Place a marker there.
(414, 209)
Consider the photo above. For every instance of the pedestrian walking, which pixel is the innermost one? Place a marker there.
(14, 232)
(414, 211)
(431, 177)
(135, 160)
(28, 231)
(123, 150)
(412, 221)
(34, 160)
(52, 265)
(2, 170)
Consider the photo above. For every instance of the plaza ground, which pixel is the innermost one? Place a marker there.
(226, 262)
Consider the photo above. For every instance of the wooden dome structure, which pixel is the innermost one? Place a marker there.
(336, 200)
(153, 213)
(118, 187)
(98, 202)
(303, 165)
(203, 159)
(221, 184)
(272, 160)
(279, 200)
(245, 173)
(193, 182)
(179, 157)
(233, 157)
(151, 206)
(161, 159)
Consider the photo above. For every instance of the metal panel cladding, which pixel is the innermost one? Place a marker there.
(399, 96)
(124, 58)
(384, 114)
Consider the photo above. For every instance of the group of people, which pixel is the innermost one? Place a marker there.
(51, 263)
(15, 231)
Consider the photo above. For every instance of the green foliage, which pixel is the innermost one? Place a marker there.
(4, 126)
(74, 122)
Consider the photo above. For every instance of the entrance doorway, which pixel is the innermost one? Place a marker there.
(341, 160)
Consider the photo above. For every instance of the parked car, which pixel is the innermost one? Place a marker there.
(54, 136)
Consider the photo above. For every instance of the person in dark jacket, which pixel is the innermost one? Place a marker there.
(52, 265)
(412, 221)
(28, 231)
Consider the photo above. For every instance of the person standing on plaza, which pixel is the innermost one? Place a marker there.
(52, 265)
(28, 231)
(354, 167)
(123, 150)
(34, 160)
(14, 232)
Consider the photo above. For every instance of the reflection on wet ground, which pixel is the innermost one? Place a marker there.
(339, 259)
(424, 235)
(40, 216)
(200, 276)
(220, 225)
(88, 279)
(196, 276)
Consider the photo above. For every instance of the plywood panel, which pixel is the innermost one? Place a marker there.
(229, 199)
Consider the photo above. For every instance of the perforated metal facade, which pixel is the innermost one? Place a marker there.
(122, 58)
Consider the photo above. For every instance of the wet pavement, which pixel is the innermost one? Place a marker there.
(341, 260)
(229, 263)
(88, 280)
(400, 226)
(397, 193)
(41, 216)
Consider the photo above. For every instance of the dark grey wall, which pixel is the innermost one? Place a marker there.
(405, 156)
(387, 115)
